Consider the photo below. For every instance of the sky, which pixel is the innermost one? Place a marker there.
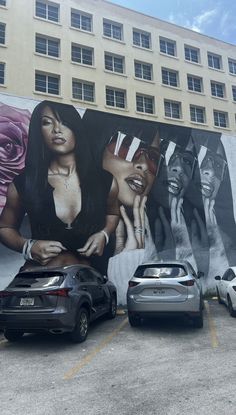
(216, 18)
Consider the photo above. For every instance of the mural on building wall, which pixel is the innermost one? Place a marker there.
(80, 178)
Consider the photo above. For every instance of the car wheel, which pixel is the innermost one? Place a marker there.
(232, 312)
(112, 307)
(13, 335)
(80, 332)
(218, 297)
(198, 320)
(134, 320)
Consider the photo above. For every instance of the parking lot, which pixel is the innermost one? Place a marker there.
(165, 367)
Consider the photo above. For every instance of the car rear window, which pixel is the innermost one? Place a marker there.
(162, 271)
(37, 280)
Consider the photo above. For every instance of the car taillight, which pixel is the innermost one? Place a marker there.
(61, 292)
(187, 283)
(133, 283)
(234, 288)
(4, 294)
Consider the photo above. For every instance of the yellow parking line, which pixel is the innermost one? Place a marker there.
(71, 373)
(212, 327)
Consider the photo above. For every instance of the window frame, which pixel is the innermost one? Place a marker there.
(142, 65)
(218, 114)
(192, 49)
(47, 76)
(3, 71)
(140, 43)
(3, 35)
(213, 56)
(172, 110)
(83, 51)
(215, 89)
(168, 41)
(47, 5)
(81, 15)
(168, 79)
(5, 3)
(48, 39)
(195, 87)
(84, 94)
(115, 98)
(113, 66)
(113, 26)
(145, 103)
(233, 63)
(234, 93)
(197, 108)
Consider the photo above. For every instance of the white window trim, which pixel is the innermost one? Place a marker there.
(140, 31)
(153, 104)
(45, 19)
(47, 74)
(81, 12)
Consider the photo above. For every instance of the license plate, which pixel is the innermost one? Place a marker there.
(158, 292)
(26, 301)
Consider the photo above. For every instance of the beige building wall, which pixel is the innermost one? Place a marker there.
(21, 61)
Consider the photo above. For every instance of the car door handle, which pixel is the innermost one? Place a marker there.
(84, 289)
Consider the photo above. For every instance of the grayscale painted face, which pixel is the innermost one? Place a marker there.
(133, 177)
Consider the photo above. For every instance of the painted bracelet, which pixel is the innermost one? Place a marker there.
(106, 236)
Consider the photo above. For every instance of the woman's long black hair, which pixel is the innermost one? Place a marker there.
(38, 156)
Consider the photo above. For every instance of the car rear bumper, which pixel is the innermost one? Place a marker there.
(190, 306)
(57, 321)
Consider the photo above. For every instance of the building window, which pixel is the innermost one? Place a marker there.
(115, 98)
(234, 92)
(172, 109)
(220, 119)
(217, 90)
(232, 66)
(168, 47)
(81, 54)
(214, 61)
(112, 30)
(47, 46)
(49, 84)
(80, 20)
(141, 39)
(144, 104)
(194, 83)
(197, 114)
(114, 63)
(2, 33)
(47, 10)
(84, 91)
(192, 54)
(2, 73)
(143, 70)
(169, 77)
(3, 2)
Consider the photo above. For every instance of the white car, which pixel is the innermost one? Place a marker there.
(226, 290)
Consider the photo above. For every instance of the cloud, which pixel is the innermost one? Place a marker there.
(197, 23)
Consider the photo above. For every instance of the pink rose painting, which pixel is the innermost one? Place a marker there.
(14, 124)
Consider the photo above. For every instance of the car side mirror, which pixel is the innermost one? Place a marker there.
(200, 274)
(217, 278)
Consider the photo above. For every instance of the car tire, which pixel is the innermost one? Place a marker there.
(232, 312)
(218, 297)
(80, 332)
(13, 335)
(134, 320)
(198, 320)
(112, 307)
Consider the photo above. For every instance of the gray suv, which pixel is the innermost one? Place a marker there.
(165, 287)
(57, 300)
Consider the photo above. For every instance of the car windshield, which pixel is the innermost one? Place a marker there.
(160, 271)
(37, 280)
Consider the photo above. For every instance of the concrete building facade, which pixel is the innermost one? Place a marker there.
(94, 54)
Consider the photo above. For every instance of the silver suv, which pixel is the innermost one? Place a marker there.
(165, 288)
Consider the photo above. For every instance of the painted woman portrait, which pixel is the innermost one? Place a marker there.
(71, 209)
(129, 150)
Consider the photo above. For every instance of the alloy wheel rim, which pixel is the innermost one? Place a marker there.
(83, 324)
